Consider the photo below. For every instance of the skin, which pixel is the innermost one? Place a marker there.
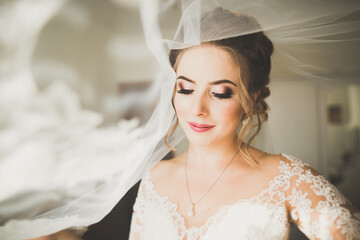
(209, 152)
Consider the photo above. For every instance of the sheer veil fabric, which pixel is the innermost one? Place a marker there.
(301, 32)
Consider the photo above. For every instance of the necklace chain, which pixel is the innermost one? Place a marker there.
(191, 212)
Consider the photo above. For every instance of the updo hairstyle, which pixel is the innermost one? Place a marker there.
(251, 52)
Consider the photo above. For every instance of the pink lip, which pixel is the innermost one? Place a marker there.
(200, 127)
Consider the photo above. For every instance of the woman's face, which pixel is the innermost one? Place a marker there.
(206, 101)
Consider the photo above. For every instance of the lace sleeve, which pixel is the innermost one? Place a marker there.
(138, 210)
(316, 206)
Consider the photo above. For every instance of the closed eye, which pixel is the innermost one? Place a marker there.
(222, 95)
(185, 91)
(227, 94)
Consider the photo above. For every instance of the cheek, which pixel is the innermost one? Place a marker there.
(180, 105)
(230, 114)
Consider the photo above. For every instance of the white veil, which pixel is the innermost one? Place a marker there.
(301, 31)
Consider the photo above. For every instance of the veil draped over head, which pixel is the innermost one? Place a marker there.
(302, 32)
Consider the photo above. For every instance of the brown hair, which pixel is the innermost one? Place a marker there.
(251, 52)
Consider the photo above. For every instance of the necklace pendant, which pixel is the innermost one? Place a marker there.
(191, 212)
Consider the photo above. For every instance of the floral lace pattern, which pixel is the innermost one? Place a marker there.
(314, 204)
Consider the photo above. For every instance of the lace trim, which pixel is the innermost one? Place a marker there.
(267, 196)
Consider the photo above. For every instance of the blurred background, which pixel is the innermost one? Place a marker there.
(89, 59)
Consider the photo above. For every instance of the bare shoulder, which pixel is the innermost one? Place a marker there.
(166, 168)
(266, 171)
(270, 163)
(265, 160)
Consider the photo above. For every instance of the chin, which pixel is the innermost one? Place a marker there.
(207, 139)
(200, 143)
(201, 139)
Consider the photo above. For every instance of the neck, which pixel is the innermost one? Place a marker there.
(211, 157)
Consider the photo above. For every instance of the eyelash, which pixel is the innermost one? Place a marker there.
(222, 95)
(217, 95)
(185, 91)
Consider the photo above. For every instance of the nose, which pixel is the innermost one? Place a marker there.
(200, 105)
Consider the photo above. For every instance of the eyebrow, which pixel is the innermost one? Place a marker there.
(217, 82)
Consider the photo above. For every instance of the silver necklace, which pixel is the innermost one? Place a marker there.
(191, 212)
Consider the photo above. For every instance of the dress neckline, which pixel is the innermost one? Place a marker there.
(200, 230)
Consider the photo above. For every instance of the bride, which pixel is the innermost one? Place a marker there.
(221, 187)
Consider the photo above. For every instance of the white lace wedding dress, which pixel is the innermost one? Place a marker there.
(295, 194)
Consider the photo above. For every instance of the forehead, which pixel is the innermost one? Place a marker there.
(207, 63)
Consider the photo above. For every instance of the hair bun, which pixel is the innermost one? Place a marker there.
(265, 92)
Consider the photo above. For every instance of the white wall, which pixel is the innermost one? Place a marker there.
(294, 120)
